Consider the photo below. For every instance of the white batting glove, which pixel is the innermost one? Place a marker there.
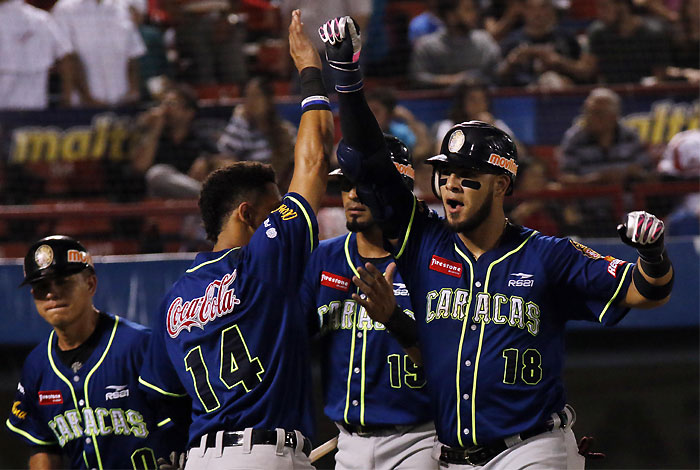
(645, 232)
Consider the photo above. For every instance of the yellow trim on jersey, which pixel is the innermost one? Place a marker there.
(29, 436)
(362, 383)
(191, 270)
(352, 356)
(159, 390)
(58, 373)
(461, 343)
(408, 229)
(164, 422)
(87, 379)
(347, 255)
(308, 219)
(483, 327)
(617, 291)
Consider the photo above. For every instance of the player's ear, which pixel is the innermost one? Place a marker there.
(501, 184)
(246, 213)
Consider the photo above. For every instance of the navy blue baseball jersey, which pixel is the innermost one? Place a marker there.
(230, 332)
(492, 330)
(368, 378)
(96, 415)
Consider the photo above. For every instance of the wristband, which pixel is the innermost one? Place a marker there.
(313, 92)
(656, 268)
(403, 328)
(650, 291)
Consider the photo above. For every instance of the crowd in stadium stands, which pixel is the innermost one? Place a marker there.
(161, 58)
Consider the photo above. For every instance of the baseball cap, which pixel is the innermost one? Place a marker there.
(55, 256)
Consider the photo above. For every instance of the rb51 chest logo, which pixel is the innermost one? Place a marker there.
(521, 280)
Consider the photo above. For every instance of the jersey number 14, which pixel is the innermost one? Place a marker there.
(236, 367)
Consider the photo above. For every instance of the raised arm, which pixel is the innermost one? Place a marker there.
(652, 278)
(315, 136)
(362, 154)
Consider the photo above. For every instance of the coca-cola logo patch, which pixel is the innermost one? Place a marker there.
(334, 281)
(218, 300)
(50, 397)
(445, 266)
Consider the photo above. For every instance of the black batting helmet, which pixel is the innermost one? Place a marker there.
(55, 256)
(477, 145)
(400, 155)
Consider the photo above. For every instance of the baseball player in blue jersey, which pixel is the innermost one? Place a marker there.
(491, 299)
(373, 391)
(231, 334)
(78, 400)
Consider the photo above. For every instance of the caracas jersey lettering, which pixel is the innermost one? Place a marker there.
(218, 300)
(501, 309)
(98, 422)
(340, 315)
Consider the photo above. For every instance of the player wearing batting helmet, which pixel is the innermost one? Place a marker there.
(229, 333)
(373, 391)
(78, 397)
(491, 298)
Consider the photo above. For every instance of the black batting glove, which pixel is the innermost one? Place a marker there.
(644, 232)
(341, 37)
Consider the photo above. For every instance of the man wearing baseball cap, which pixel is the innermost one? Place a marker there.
(78, 401)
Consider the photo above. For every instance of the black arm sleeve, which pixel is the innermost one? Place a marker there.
(359, 126)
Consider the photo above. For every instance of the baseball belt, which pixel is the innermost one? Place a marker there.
(480, 455)
(260, 437)
(371, 430)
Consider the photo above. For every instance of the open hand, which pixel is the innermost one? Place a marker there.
(301, 49)
(379, 300)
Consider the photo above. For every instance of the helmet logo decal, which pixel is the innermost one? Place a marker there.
(507, 164)
(43, 256)
(405, 170)
(456, 141)
(75, 256)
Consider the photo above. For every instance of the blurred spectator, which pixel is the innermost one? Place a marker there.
(686, 43)
(209, 38)
(541, 54)
(316, 13)
(107, 47)
(681, 161)
(539, 214)
(600, 149)
(154, 67)
(257, 132)
(30, 43)
(398, 121)
(502, 16)
(167, 142)
(457, 52)
(626, 46)
(472, 102)
(425, 23)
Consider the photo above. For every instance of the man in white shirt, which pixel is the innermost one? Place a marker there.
(107, 46)
(30, 43)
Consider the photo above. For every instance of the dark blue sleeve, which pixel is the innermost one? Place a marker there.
(25, 419)
(282, 245)
(600, 282)
(308, 294)
(157, 375)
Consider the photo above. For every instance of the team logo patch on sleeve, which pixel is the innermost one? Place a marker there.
(285, 212)
(614, 265)
(50, 397)
(17, 410)
(588, 252)
(445, 266)
(334, 281)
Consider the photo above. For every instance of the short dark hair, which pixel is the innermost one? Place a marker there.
(186, 94)
(225, 188)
